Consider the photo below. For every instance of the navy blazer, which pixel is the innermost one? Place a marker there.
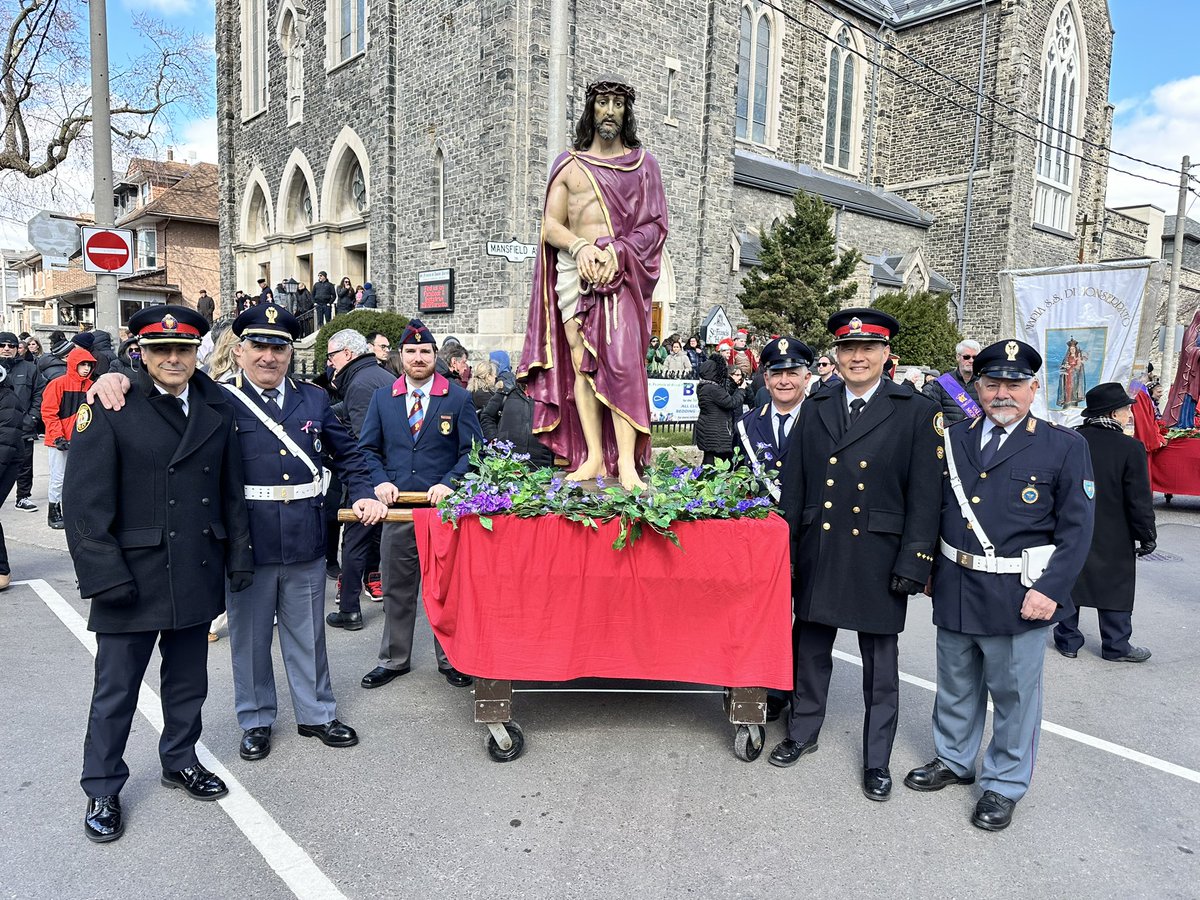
(760, 427)
(1037, 490)
(440, 452)
(293, 531)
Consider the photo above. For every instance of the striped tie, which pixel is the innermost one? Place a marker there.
(417, 416)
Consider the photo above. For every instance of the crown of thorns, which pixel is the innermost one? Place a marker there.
(611, 84)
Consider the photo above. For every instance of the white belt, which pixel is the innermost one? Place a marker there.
(283, 491)
(996, 565)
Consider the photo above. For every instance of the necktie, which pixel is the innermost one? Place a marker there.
(417, 416)
(273, 407)
(781, 429)
(182, 405)
(856, 408)
(992, 445)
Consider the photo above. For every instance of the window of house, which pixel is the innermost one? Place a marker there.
(756, 74)
(254, 57)
(358, 188)
(144, 193)
(147, 248)
(1053, 203)
(439, 196)
(672, 88)
(839, 102)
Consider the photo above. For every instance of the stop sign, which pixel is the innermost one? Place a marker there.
(107, 251)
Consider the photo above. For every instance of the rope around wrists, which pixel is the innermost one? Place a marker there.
(577, 245)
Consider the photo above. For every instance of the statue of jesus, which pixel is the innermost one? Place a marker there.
(603, 232)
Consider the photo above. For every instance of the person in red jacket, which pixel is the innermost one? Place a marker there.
(60, 402)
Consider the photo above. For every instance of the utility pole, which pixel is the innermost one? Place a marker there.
(1168, 359)
(108, 312)
(560, 36)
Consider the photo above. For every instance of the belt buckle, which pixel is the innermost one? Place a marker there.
(966, 560)
(286, 492)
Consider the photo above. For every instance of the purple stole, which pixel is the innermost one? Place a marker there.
(959, 395)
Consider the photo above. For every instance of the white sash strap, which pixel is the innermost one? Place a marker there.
(314, 488)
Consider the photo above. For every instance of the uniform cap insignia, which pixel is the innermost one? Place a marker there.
(83, 418)
(1089, 487)
(1029, 494)
(856, 324)
(169, 322)
(1011, 349)
(271, 314)
(783, 345)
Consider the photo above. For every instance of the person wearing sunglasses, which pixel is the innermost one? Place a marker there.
(955, 392)
(826, 375)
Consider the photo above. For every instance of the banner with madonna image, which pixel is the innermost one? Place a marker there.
(1091, 323)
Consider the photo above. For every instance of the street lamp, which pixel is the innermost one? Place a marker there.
(291, 286)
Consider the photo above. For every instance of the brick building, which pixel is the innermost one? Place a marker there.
(378, 142)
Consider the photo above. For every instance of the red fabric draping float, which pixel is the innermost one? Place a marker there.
(547, 599)
(1175, 469)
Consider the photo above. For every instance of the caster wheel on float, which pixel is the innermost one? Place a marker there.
(748, 742)
(518, 744)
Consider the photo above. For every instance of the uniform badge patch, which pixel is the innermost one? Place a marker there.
(939, 424)
(1030, 494)
(941, 452)
(83, 418)
(1089, 488)
(316, 445)
(445, 425)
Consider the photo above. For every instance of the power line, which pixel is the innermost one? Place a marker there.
(911, 57)
(956, 104)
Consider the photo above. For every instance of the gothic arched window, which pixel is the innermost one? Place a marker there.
(757, 61)
(439, 195)
(254, 57)
(1062, 95)
(839, 102)
(358, 188)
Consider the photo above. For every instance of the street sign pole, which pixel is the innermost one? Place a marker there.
(108, 313)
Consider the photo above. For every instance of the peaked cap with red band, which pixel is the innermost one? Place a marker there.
(862, 324)
(168, 325)
(417, 333)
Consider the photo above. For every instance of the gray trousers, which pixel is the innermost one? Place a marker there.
(401, 591)
(295, 594)
(1009, 667)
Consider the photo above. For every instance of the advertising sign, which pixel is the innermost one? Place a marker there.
(673, 400)
(435, 291)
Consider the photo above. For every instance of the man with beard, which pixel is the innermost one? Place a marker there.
(602, 237)
(955, 391)
(1016, 526)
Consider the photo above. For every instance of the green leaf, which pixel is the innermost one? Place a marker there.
(485, 522)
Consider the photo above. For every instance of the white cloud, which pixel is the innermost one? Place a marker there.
(200, 137)
(1160, 128)
(13, 235)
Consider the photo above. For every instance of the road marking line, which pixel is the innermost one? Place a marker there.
(1062, 731)
(285, 856)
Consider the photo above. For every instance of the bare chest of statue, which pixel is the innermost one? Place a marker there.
(585, 215)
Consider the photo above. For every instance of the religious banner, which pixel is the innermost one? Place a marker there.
(1090, 323)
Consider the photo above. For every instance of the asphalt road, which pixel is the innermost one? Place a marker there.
(616, 796)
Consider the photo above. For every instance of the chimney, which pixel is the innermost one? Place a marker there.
(170, 154)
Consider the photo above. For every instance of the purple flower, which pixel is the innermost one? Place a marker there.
(680, 471)
(600, 482)
(693, 505)
(698, 471)
(743, 505)
(520, 457)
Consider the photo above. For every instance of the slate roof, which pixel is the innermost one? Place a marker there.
(772, 175)
(1192, 229)
(192, 197)
(900, 13)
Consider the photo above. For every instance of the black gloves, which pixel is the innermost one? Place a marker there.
(61, 443)
(239, 581)
(1146, 548)
(905, 586)
(121, 595)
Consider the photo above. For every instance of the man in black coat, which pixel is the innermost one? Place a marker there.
(155, 513)
(1124, 516)
(27, 383)
(963, 403)
(323, 295)
(858, 484)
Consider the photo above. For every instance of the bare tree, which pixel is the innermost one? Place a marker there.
(45, 93)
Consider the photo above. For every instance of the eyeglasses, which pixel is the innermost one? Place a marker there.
(823, 365)
(968, 356)
(7, 345)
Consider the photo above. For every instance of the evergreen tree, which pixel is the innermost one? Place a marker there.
(927, 332)
(801, 280)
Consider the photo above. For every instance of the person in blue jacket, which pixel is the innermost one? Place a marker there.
(1027, 490)
(417, 436)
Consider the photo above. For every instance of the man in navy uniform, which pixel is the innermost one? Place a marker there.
(856, 486)
(764, 433)
(283, 427)
(155, 517)
(417, 436)
(1026, 492)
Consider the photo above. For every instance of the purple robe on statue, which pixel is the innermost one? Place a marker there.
(614, 319)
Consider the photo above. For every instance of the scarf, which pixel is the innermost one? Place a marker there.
(1104, 422)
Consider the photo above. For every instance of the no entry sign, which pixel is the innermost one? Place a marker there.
(107, 251)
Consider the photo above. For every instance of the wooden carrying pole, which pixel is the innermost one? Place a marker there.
(409, 498)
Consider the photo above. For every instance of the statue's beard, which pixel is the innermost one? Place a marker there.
(609, 130)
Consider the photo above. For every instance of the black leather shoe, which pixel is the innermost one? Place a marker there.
(332, 734)
(456, 678)
(256, 743)
(993, 812)
(333, 571)
(788, 752)
(1135, 654)
(199, 783)
(775, 707)
(1069, 654)
(351, 621)
(102, 822)
(934, 776)
(379, 676)
(877, 784)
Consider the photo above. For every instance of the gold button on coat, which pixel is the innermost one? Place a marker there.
(856, 509)
(833, 460)
(862, 464)
(826, 526)
(975, 500)
(829, 482)
(855, 532)
(828, 504)
(862, 487)
(983, 474)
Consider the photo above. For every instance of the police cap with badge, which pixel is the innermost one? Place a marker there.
(267, 323)
(786, 353)
(1008, 360)
(862, 324)
(168, 324)
(417, 333)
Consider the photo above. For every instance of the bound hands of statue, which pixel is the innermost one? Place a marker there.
(597, 266)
